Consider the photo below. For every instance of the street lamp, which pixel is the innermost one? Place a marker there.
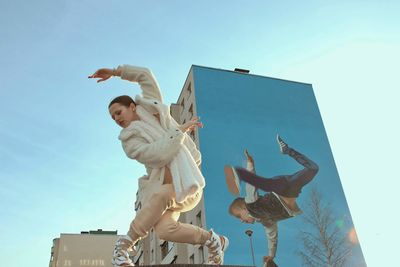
(249, 233)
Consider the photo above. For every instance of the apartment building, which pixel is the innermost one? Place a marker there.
(88, 248)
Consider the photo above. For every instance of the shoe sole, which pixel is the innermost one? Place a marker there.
(279, 140)
(231, 180)
(226, 243)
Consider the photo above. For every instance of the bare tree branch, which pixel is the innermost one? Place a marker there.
(325, 245)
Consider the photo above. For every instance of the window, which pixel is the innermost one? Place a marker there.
(198, 219)
(191, 110)
(138, 205)
(189, 89)
(182, 105)
(201, 254)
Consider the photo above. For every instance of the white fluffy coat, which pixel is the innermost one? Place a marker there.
(157, 144)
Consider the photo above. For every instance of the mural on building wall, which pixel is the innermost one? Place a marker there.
(279, 201)
(292, 211)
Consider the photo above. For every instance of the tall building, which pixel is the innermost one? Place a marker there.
(89, 248)
(245, 111)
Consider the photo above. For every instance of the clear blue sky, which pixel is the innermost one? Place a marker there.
(61, 165)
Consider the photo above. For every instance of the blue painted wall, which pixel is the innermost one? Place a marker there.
(247, 111)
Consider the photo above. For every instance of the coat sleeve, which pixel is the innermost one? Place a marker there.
(190, 145)
(157, 154)
(271, 232)
(145, 78)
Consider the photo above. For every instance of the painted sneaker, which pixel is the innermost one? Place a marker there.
(283, 147)
(232, 180)
(122, 247)
(217, 245)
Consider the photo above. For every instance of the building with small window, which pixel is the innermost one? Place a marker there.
(240, 111)
(89, 248)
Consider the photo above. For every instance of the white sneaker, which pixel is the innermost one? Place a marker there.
(217, 245)
(121, 252)
(283, 147)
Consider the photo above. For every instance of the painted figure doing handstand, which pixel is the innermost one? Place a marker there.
(279, 203)
(174, 182)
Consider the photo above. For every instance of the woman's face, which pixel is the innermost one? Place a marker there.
(123, 115)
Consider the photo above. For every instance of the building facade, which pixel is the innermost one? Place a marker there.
(242, 111)
(91, 248)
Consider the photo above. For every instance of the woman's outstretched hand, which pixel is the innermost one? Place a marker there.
(190, 125)
(102, 74)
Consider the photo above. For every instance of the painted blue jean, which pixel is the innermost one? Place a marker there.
(284, 185)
